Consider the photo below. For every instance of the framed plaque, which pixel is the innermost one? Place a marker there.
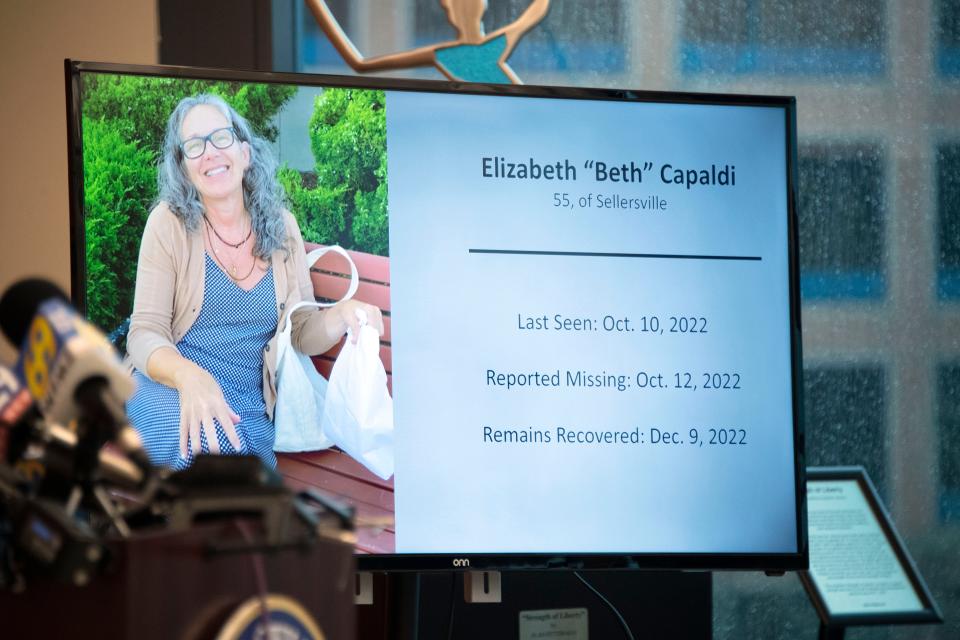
(860, 571)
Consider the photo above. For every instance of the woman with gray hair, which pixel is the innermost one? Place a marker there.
(220, 262)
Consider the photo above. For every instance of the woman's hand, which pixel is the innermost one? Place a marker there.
(343, 316)
(202, 402)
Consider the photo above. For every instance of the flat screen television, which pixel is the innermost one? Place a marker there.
(593, 310)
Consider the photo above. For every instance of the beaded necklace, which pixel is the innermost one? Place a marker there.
(219, 237)
(232, 272)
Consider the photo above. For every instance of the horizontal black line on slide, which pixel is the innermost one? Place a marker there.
(602, 254)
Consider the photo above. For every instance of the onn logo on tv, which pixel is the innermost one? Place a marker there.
(461, 562)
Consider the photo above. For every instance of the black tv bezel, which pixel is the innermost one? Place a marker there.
(769, 562)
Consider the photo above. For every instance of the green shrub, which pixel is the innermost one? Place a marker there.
(348, 138)
(140, 106)
(319, 211)
(120, 182)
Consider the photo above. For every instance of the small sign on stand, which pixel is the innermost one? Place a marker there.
(554, 623)
(860, 571)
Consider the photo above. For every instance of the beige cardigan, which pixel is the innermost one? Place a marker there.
(169, 294)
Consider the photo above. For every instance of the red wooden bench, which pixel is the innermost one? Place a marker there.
(332, 471)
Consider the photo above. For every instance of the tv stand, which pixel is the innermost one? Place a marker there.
(421, 606)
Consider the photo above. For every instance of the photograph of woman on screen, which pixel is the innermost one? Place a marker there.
(220, 261)
(474, 56)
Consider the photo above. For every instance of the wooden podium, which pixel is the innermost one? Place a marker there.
(186, 585)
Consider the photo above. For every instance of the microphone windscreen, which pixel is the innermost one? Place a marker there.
(19, 305)
(69, 366)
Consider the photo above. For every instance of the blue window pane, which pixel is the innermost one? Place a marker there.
(315, 48)
(571, 56)
(948, 384)
(737, 59)
(948, 37)
(948, 210)
(841, 218)
(948, 61)
(317, 51)
(863, 285)
(812, 37)
(845, 418)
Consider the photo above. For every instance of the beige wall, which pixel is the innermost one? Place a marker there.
(35, 37)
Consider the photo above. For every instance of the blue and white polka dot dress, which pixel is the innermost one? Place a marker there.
(227, 339)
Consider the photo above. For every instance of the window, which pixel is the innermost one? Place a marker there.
(882, 383)
(316, 52)
(574, 36)
(948, 207)
(845, 418)
(820, 37)
(841, 218)
(948, 387)
(948, 37)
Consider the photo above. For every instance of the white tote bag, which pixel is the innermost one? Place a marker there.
(300, 388)
(358, 410)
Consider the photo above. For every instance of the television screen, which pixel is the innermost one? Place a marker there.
(590, 302)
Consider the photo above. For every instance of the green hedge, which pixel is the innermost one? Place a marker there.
(347, 205)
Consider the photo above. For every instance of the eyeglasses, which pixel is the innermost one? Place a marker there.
(220, 138)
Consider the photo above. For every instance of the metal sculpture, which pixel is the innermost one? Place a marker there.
(473, 56)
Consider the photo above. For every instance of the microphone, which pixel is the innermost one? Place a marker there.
(19, 303)
(21, 424)
(18, 416)
(69, 366)
(60, 445)
(73, 374)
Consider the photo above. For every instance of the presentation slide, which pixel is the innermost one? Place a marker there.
(591, 317)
